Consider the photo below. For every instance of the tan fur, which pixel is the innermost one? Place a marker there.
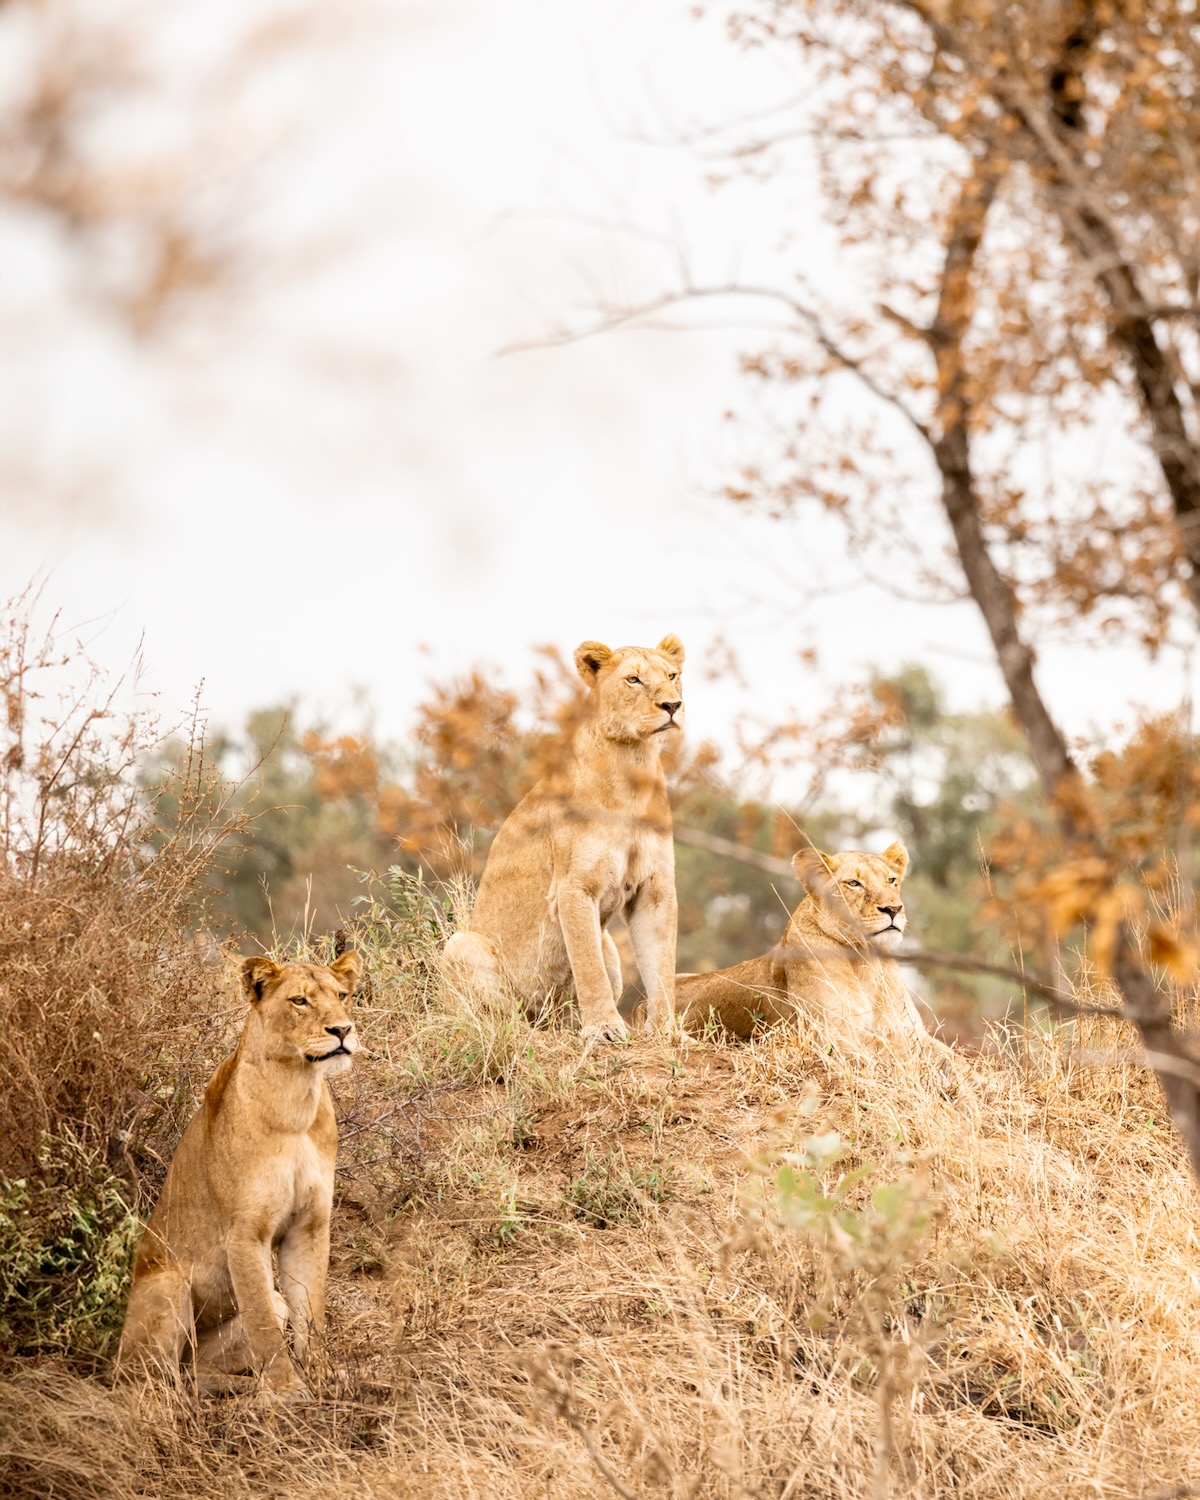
(252, 1174)
(589, 842)
(833, 965)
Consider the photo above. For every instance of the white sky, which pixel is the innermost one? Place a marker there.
(317, 479)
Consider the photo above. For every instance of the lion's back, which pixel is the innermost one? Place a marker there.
(742, 1000)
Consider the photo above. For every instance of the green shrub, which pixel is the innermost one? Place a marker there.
(67, 1235)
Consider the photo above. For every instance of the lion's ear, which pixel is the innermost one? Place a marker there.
(895, 856)
(255, 973)
(672, 648)
(589, 658)
(348, 968)
(811, 866)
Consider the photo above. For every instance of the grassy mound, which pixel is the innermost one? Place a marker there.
(678, 1271)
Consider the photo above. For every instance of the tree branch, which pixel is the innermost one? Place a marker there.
(1131, 327)
(1054, 132)
(638, 314)
(713, 843)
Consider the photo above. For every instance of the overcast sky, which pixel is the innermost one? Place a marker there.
(333, 480)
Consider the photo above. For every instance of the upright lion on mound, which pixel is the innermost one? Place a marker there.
(253, 1174)
(591, 841)
(833, 966)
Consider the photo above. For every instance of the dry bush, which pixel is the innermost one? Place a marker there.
(105, 998)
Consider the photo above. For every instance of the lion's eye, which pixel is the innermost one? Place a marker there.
(855, 884)
(632, 681)
(671, 676)
(891, 880)
(299, 1000)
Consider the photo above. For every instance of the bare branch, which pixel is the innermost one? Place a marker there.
(638, 315)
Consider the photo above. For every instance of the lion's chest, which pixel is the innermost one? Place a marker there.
(621, 875)
(294, 1183)
(855, 996)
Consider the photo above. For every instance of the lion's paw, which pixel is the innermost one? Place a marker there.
(668, 1030)
(611, 1029)
(288, 1394)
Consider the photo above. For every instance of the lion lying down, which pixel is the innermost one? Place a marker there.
(832, 967)
(252, 1175)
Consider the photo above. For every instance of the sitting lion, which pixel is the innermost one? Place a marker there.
(833, 965)
(591, 841)
(253, 1175)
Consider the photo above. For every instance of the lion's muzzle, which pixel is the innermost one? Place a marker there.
(889, 937)
(345, 1048)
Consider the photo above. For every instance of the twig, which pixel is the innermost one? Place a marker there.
(565, 1408)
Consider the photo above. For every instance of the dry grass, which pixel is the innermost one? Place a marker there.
(701, 1272)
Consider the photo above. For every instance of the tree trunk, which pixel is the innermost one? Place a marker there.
(952, 450)
(1174, 1055)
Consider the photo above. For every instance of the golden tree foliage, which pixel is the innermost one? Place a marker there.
(344, 768)
(1105, 862)
(476, 757)
(1017, 189)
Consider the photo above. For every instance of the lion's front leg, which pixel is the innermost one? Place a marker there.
(303, 1267)
(224, 1360)
(250, 1273)
(652, 929)
(579, 918)
(612, 965)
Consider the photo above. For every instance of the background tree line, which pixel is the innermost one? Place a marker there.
(328, 811)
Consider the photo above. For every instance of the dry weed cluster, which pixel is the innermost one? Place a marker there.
(112, 1017)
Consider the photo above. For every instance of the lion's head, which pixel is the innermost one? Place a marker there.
(859, 893)
(301, 1011)
(638, 690)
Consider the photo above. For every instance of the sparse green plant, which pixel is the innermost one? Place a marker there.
(524, 1136)
(515, 1215)
(869, 1244)
(609, 1191)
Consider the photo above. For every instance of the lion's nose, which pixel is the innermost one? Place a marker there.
(341, 1032)
(891, 911)
(671, 707)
